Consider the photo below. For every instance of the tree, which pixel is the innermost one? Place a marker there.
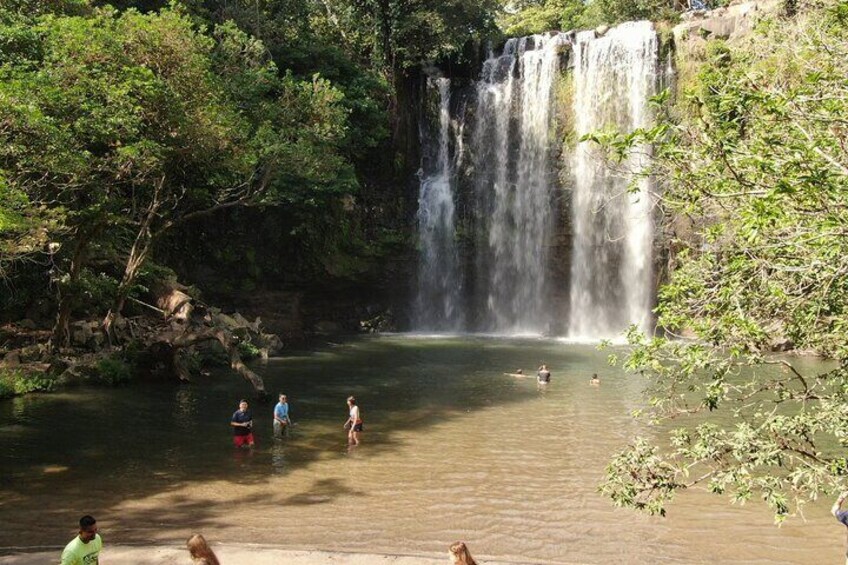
(134, 124)
(755, 169)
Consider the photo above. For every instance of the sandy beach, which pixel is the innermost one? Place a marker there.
(249, 554)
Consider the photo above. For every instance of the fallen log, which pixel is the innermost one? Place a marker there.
(175, 341)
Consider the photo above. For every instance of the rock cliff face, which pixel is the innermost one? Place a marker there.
(731, 22)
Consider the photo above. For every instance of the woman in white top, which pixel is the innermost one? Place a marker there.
(354, 422)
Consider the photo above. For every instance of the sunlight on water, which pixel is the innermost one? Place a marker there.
(452, 449)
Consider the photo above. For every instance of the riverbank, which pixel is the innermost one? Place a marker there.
(248, 553)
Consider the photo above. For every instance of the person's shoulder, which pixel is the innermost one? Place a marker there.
(71, 545)
(70, 554)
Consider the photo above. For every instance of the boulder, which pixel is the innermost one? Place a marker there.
(730, 22)
(176, 304)
(227, 321)
(241, 321)
(11, 359)
(270, 343)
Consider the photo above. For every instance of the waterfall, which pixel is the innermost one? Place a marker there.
(518, 274)
(611, 269)
(439, 293)
(511, 147)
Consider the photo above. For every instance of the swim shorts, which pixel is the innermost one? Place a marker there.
(243, 440)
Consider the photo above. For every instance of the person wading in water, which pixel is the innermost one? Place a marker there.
(354, 422)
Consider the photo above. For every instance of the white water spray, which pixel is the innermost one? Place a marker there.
(438, 302)
(611, 269)
(511, 144)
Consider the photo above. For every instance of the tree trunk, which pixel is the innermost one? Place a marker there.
(61, 335)
(188, 338)
(138, 254)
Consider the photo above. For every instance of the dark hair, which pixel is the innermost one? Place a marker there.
(86, 522)
(242, 400)
(352, 400)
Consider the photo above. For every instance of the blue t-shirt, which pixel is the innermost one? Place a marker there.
(240, 417)
(281, 411)
(842, 516)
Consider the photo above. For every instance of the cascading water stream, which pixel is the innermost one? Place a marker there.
(611, 269)
(439, 294)
(515, 231)
(511, 146)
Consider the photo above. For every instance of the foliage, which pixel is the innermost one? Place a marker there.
(755, 171)
(538, 16)
(248, 350)
(140, 122)
(403, 33)
(112, 371)
(15, 382)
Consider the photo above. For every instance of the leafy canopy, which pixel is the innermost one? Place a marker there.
(754, 167)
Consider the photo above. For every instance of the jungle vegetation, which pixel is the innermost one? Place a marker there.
(142, 138)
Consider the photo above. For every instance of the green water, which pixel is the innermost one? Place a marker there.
(452, 449)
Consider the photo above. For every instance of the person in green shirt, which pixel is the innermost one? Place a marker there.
(85, 548)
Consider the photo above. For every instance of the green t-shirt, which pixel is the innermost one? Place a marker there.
(79, 553)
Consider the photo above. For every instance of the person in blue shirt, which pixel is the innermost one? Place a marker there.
(281, 416)
(839, 514)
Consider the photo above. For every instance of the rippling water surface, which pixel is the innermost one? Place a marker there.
(452, 449)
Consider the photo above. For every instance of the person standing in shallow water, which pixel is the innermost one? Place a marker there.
(544, 374)
(85, 548)
(841, 515)
(460, 555)
(281, 416)
(242, 423)
(354, 422)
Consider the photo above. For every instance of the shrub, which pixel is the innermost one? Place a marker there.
(248, 350)
(112, 371)
(15, 382)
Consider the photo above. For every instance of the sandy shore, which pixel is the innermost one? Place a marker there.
(248, 554)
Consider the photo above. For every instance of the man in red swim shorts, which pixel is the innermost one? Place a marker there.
(242, 423)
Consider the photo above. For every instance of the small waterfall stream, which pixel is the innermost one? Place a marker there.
(511, 148)
(515, 188)
(611, 268)
(437, 306)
